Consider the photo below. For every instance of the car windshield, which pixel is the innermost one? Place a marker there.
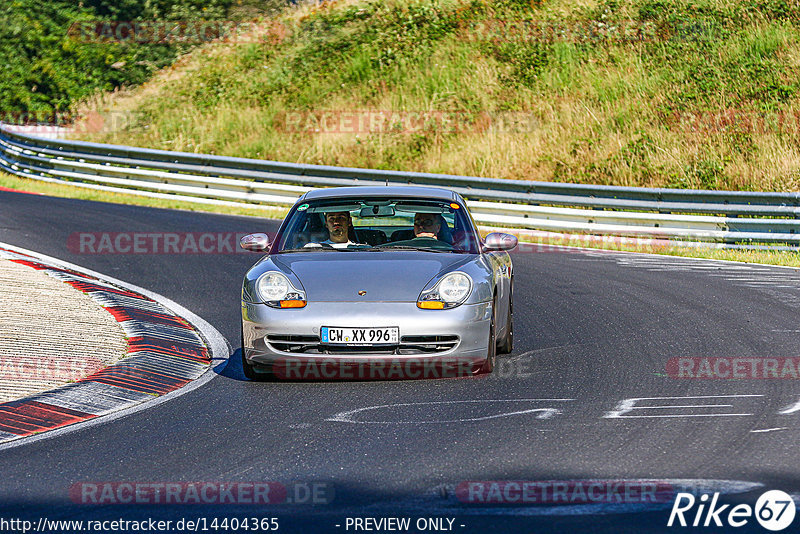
(377, 224)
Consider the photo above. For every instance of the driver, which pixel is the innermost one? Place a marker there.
(338, 224)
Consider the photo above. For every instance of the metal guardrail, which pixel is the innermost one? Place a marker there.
(727, 217)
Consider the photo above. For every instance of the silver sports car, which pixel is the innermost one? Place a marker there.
(377, 282)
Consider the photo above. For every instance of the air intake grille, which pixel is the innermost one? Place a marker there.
(409, 345)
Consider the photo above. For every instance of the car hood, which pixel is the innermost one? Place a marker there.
(397, 276)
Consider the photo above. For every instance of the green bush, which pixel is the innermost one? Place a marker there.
(45, 71)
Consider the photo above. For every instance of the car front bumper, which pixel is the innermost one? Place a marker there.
(279, 337)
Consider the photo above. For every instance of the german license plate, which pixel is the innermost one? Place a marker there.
(360, 336)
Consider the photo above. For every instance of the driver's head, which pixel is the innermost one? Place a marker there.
(427, 225)
(338, 223)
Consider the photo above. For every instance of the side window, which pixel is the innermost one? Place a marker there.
(462, 236)
(295, 225)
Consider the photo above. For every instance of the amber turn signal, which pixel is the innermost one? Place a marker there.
(293, 304)
(430, 305)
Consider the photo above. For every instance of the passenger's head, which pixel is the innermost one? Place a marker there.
(427, 225)
(338, 224)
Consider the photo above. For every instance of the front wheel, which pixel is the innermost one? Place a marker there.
(506, 343)
(491, 354)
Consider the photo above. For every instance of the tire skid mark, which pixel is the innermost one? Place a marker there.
(122, 314)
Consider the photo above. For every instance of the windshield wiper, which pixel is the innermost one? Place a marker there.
(305, 249)
(327, 247)
(409, 247)
(361, 248)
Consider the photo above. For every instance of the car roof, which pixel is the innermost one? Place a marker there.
(400, 191)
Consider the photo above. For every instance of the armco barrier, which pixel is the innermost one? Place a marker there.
(724, 217)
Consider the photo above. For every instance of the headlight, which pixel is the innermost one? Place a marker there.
(273, 286)
(454, 287)
(451, 290)
(277, 291)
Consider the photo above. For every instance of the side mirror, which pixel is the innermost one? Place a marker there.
(499, 241)
(255, 242)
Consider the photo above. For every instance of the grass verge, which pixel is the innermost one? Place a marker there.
(66, 191)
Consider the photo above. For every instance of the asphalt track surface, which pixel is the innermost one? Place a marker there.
(592, 329)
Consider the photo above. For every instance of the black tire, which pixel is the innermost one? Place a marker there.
(249, 369)
(491, 356)
(506, 343)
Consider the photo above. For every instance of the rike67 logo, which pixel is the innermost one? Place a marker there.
(774, 510)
